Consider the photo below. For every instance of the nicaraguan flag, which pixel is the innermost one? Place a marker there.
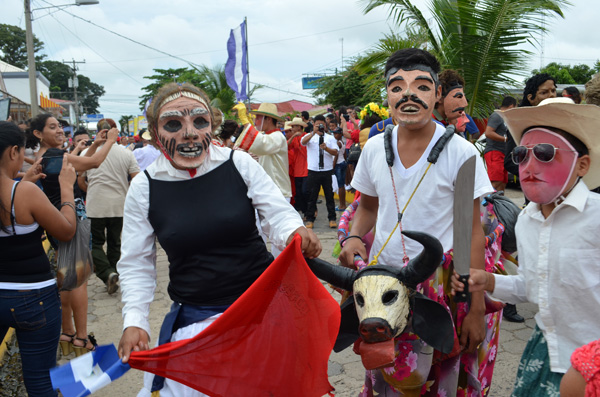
(87, 374)
(236, 68)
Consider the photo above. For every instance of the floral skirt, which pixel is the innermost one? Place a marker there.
(534, 378)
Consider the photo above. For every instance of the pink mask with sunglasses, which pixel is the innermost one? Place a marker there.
(546, 163)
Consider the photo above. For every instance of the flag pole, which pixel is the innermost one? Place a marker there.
(247, 59)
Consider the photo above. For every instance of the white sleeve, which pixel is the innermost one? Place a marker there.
(362, 181)
(278, 219)
(137, 266)
(511, 289)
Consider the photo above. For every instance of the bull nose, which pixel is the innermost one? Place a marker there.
(375, 330)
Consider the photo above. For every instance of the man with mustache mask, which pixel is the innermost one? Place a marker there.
(394, 173)
(214, 255)
(451, 108)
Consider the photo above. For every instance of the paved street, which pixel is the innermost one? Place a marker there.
(345, 369)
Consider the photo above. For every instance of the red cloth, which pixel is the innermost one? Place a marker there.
(275, 340)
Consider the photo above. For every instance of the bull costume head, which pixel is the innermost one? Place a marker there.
(384, 298)
(181, 122)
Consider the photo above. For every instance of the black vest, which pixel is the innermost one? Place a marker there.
(207, 227)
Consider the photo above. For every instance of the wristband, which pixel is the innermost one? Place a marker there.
(349, 237)
(68, 204)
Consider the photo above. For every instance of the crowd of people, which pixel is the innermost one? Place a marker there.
(398, 160)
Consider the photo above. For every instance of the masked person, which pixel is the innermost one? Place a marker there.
(557, 232)
(214, 256)
(451, 108)
(413, 89)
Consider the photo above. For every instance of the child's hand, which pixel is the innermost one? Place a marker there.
(478, 281)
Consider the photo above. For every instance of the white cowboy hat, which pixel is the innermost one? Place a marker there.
(581, 121)
(146, 135)
(298, 121)
(269, 110)
(287, 126)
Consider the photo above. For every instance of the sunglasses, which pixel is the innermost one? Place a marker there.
(544, 152)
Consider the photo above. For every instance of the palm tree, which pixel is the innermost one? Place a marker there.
(478, 38)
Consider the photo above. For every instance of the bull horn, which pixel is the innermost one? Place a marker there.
(338, 276)
(422, 267)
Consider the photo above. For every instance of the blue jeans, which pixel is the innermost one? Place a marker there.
(340, 174)
(36, 317)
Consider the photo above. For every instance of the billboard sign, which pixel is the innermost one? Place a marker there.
(310, 83)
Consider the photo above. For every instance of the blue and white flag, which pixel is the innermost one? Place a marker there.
(89, 373)
(236, 68)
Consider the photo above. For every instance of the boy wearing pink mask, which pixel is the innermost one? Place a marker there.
(558, 238)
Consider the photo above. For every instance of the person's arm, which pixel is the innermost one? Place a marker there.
(28, 160)
(330, 147)
(277, 217)
(473, 327)
(62, 223)
(364, 221)
(345, 131)
(307, 137)
(82, 183)
(137, 269)
(79, 148)
(84, 163)
(490, 133)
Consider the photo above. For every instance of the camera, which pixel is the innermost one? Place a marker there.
(321, 128)
(347, 117)
(89, 143)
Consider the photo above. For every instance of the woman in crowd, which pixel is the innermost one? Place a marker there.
(29, 300)
(51, 138)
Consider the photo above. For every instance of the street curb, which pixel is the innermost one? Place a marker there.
(5, 342)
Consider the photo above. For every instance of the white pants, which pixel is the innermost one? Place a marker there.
(172, 388)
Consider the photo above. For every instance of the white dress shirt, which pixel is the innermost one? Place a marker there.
(312, 153)
(559, 270)
(137, 266)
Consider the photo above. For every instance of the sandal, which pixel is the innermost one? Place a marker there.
(81, 350)
(66, 346)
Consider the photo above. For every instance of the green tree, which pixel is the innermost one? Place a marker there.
(567, 74)
(210, 80)
(346, 88)
(481, 39)
(14, 46)
(58, 74)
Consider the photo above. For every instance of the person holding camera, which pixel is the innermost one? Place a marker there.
(320, 153)
(51, 139)
(106, 189)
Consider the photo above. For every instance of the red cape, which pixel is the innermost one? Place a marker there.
(275, 340)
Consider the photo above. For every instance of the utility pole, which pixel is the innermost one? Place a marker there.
(342, 40)
(33, 95)
(75, 83)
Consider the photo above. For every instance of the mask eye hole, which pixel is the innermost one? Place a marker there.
(173, 126)
(200, 123)
(389, 297)
(360, 301)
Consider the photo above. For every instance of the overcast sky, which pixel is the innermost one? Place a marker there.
(287, 39)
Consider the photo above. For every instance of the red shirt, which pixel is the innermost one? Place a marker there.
(299, 168)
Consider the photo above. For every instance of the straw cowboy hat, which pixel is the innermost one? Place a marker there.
(287, 126)
(269, 110)
(146, 135)
(298, 121)
(581, 121)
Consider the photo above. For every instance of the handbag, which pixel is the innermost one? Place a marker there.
(74, 259)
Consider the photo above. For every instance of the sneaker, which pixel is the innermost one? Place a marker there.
(333, 224)
(309, 225)
(111, 283)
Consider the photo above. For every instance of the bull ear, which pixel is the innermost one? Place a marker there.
(348, 326)
(422, 267)
(432, 323)
(339, 276)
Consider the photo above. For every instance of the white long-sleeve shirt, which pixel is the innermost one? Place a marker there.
(137, 266)
(559, 270)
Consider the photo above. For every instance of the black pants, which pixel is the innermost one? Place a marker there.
(301, 198)
(314, 181)
(106, 230)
